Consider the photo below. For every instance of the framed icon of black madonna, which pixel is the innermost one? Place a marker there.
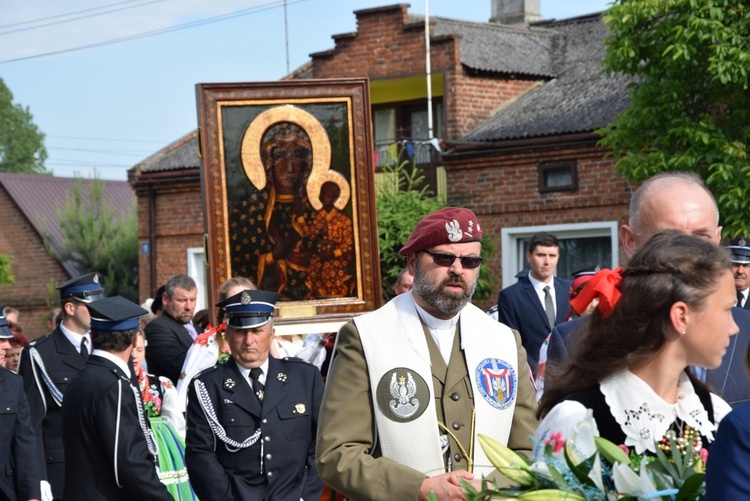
(288, 189)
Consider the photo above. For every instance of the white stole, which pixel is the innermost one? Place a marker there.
(393, 337)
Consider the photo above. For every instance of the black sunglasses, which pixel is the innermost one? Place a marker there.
(443, 259)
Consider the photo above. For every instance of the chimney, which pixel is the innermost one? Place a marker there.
(515, 11)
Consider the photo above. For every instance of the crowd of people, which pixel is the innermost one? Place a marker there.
(123, 402)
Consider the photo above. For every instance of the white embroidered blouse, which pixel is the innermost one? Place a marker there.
(643, 416)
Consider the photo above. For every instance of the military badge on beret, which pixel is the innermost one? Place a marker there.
(245, 298)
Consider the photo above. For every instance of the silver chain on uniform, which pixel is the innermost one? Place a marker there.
(57, 395)
(213, 421)
(147, 432)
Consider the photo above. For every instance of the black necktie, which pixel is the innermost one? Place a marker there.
(549, 307)
(255, 374)
(84, 350)
(740, 299)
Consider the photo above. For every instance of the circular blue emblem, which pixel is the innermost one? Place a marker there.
(497, 382)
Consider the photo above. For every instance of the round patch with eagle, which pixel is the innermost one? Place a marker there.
(497, 382)
(402, 395)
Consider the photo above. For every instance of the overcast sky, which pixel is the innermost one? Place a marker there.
(111, 105)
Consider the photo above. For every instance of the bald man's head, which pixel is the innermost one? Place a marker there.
(671, 201)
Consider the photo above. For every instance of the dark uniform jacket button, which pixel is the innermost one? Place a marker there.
(457, 458)
(455, 397)
(456, 425)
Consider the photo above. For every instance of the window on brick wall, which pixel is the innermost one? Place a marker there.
(558, 176)
(581, 245)
(196, 269)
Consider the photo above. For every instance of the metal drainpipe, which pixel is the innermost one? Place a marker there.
(152, 238)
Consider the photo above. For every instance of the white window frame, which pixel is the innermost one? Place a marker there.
(509, 238)
(196, 269)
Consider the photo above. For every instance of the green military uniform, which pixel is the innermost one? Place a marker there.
(349, 459)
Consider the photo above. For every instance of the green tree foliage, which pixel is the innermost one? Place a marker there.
(97, 239)
(21, 142)
(6, 271)
(690, 105)
(403, 199)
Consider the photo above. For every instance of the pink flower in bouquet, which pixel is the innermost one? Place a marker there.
(556, 440)
(704, 455)
(624, 449)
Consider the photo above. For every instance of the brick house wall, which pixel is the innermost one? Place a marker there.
(387, 46)
(473, 99)
(502, 188)
(33, 267)
(178, 226)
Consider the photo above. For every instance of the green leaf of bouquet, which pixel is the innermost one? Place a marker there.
(470, 489)
(433, 497)
(611, 452)
(662, 481)
(678, 458)
(665, 463)
(558, 478)
(691, 486)
(551, 494)
(581, 471)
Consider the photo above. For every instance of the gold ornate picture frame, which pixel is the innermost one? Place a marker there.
(288, 191)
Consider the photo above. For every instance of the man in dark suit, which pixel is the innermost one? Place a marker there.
(22, 478)
(48, 364)
(740, 250)
(251, 422)
(731, 380)
(170, 335)
(539, 301)
(108, 445)
(674, 201)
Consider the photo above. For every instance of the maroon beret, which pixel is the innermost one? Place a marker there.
(447, 226)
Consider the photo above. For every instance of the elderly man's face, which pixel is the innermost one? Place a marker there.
(741, 273)
(443, 290)
(250, 347)
(678, 206)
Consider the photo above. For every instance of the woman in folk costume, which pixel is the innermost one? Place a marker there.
(668, 310)
(167, 423)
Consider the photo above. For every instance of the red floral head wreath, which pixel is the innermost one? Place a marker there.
(606, 286)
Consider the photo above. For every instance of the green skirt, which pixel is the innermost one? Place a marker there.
(171, 460)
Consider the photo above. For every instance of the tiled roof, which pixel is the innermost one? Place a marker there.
(38, 197)
(179, 155)
(581, 98)
(518, 50)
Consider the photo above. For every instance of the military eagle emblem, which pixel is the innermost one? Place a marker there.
(454, 231)
(403, 389)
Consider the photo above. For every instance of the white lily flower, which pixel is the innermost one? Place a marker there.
(581, 446)
(626, 480)
(647, 483)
